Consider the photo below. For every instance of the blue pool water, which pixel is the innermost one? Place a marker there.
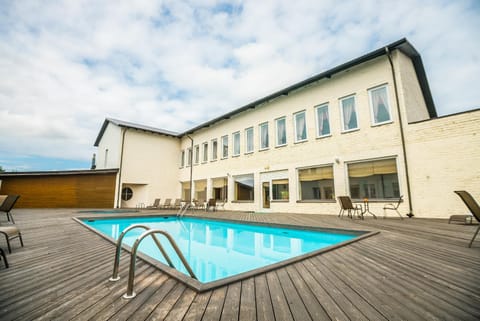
(216, 249)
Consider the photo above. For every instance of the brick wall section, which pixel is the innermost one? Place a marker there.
(444, 156)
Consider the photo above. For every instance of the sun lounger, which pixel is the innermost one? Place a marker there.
(473, 207)
(156, 204)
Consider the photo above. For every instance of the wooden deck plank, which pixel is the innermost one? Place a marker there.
(263, 300)
(281, 308)
(232, 302)
(413, 269)
(248, 305)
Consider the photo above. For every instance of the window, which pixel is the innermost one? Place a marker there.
(182, 159)
(224, 146)
(214, 149)
(323, 120)
(263, 136)
(349, 114)
(300, 127)
(316, 183)
(236, 144)
(374, 179)
(127, 193)
(189, 155)
(197, 154)
(380, 109)
(281, 131)
(205, 152)
(244, 187)
(280, 189)
(249, 140)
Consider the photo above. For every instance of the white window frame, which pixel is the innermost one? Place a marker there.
(189, 156)
(197, 154)
(295, 126)
(222, 140)
(249, 140)
(205, 152)
(356, 113)
(236, 144)
(214, 150)
(261, 126)
(317, 128)
(370, 100)
(277, 136)
(182, 158)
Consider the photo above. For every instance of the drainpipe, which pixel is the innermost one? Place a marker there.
(119, 196)
(191, 170)
(402, 134)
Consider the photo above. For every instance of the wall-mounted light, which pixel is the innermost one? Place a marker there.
(337, 160)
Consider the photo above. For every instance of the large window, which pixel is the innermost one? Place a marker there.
(264, 136)
(236, 143)
(374, 179)
(281, 131)
(323, 120)
(244, 190)
(280, 189)
(224, 146)
(316, 183)
(214, 149)
(379, 106)
(249, 140)
(300, 127)
(349, 113)
(205, 152)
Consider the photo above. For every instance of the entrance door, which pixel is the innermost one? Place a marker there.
(266, 194)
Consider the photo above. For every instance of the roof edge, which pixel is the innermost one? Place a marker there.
(62, 172)
(402, 44)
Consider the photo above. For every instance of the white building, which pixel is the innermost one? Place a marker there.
(367, 128)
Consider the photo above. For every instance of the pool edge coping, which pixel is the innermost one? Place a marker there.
(202, 287)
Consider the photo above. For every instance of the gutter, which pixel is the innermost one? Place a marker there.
(402, 134)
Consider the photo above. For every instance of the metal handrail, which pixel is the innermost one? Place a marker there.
(183, 209)
(118, 251)
(131, 275)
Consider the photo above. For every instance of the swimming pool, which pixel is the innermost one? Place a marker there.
(218, 250)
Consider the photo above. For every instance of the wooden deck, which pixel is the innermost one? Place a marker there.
(414, 269)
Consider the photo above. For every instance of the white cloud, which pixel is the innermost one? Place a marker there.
(69, 64)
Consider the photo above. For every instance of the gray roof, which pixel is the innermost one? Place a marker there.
(61, 173)
(127, 124)
(403, 45)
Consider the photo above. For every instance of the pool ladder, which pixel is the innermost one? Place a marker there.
(183, 209)
(133, 255)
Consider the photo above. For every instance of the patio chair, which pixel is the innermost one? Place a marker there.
(211, 204)
(11, 232)
(2, 255)
(346, 205)
(156, 204)
(168, 203)
(393, 207)
(177, 204)
(473, 207)
(7, 206)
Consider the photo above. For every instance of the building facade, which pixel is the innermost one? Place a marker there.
(367, 129)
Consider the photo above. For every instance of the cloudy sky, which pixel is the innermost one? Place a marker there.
(67, 65)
